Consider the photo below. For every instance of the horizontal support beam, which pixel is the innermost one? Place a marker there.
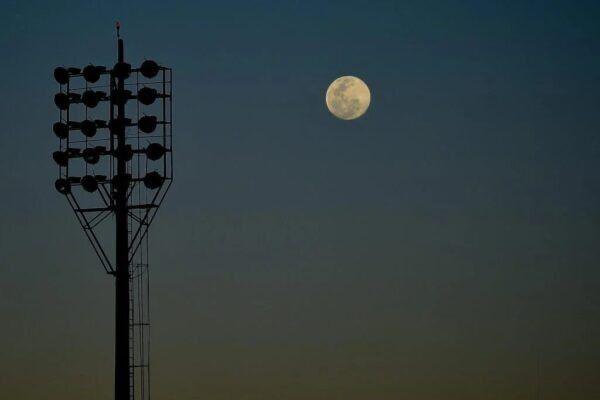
(96, 209)
(142, 207)
(100, 209)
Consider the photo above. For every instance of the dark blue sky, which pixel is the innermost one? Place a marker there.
(432, 249)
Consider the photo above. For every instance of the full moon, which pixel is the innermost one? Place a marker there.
(348, 97)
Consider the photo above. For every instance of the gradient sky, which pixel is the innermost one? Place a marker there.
(433, 249)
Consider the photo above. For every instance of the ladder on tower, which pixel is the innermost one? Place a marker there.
(139, 318)
(139, 332)
(131, 335)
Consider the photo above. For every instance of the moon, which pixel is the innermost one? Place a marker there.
(348, 97)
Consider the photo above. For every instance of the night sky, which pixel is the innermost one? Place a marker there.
(438, 247)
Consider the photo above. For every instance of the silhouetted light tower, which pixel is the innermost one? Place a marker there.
(112, 165)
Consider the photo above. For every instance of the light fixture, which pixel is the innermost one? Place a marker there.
(63, 100)
(147, 95)
(61, 130)
(124, 153)
(61, 75)
(120, 97)
(153, 180)
(91, 73)
(147, 124)
(117, 125)
(91, 155)
(91, 98)
(149, 68)
(121, 70)
(61, 158)
(63, 186)
(88, 128)
(119, 181)
(155, 151)
(89, 183)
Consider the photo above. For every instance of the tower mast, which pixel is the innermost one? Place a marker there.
(130, 187)
(122, 367)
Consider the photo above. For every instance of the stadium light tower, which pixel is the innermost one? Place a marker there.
(134, 158)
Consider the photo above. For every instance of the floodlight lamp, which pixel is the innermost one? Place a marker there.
(153, 180)
(63, 186)
(61, 158)
(91, 98)
(117, 125)
(124, 153)
(120, 97)
(88, 128)
(147, 124)
(121, 70)
(91, 155)
(91, 73)
(61, 130)
(149, 68)
(121, 181)
(147, 95)
(63, 100)
(155, 151)
(61, 75)
(89, 183)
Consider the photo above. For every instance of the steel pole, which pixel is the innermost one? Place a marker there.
(122, 367)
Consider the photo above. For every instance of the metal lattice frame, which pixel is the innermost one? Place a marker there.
(144, 209)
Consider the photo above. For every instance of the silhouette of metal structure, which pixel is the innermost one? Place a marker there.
(118, 167)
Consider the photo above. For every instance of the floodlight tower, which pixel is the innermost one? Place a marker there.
(131, 187)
